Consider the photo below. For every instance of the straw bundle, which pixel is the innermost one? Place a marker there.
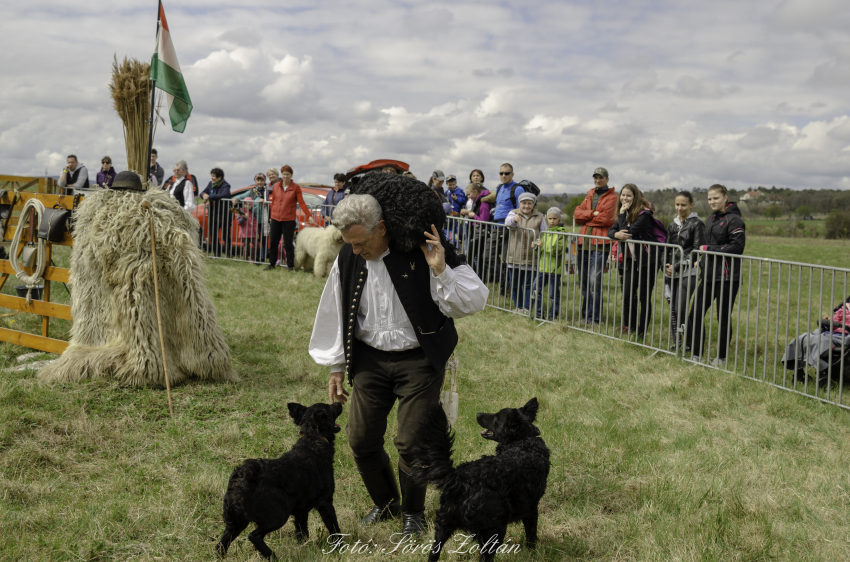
(131, 93)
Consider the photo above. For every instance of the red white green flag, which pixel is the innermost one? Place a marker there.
(165, 70)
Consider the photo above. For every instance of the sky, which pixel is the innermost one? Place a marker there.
(662, 94)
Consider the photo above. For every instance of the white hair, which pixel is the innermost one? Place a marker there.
(357, 209)
(182, 165)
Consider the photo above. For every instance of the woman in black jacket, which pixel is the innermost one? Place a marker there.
(720, 276)
(688, 232)
(640, 262)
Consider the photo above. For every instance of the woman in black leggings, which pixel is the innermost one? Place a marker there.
(641, 261)
(720, 276)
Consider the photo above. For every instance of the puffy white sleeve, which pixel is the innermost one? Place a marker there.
(326, 344)
(459, 292)
(188, 196)
(509, 220)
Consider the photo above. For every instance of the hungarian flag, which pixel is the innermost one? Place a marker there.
(165, 70)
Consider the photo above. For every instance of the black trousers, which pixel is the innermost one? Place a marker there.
(379, 379)
(287, 229)
(638, 281)
(708, 291)
(220, 219)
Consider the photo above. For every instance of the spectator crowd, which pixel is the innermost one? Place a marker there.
(507, 239)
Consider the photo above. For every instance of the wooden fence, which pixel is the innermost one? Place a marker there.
(42, 189)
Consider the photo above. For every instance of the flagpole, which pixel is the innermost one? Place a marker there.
(153, 94)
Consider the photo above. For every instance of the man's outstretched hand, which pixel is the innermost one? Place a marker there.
(336, 390)
(436, 256)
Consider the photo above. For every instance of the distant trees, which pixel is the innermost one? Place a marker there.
(772, 212)
(803, 211)
(837, 225)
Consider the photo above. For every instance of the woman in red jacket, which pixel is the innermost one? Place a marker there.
(284, 196)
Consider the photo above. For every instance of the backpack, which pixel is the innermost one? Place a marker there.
(658, 233)
(527, 186)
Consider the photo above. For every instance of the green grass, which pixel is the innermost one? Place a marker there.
(652, 459)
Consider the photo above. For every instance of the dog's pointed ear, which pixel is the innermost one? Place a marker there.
(296, 410)
(530, 409)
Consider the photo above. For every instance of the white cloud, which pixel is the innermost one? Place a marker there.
(680, 95)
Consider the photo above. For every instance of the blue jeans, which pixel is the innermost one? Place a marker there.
(520, 282)
(591, 264)
(554, 282)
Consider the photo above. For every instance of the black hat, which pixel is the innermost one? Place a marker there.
(128, 180)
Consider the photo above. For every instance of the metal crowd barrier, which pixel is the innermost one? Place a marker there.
(780, 329)
(766, 320)
(239, 230)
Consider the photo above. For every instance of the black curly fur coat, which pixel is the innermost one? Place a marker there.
(409, 209)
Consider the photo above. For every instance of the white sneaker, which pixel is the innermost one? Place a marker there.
(696, 358)
(719, 363)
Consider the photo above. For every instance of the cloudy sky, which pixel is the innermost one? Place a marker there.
(663, 94)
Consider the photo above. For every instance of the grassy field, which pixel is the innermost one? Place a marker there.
(652, 459)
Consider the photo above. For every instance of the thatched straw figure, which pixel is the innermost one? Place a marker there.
(115, 325)
(131, 98)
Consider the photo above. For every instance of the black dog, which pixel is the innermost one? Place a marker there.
(268, 491)
(483, 496)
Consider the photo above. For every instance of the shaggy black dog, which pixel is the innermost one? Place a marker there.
(268, 491)
(409, 209)
(483, 496)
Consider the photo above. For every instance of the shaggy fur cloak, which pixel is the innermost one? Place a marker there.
(112, 301)
(409, 209)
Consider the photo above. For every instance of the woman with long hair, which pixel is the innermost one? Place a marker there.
(688, 232)
(720, 276)
(640, 261)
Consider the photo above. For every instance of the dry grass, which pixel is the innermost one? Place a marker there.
(652, 459)
(131, 98)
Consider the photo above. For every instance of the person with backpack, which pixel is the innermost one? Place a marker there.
(595, 215)
(688, 232)
(640, 261)
(720, 276)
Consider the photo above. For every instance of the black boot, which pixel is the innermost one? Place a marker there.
(412, 503)
(383, 490)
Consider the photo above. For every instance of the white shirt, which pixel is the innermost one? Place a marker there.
(382, 322)
(188, 193)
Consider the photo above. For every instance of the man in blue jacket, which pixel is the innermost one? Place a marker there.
(334, 196)
(456, 195)
(219, 217)
(506, 201)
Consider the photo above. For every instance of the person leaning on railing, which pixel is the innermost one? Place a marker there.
(688, 232)
(521, 248)
(217, 196)
(259, 196)
(334, 196)
(720, 276)
(641, 261)
(595, 215)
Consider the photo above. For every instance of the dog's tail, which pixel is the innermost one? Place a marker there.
(433, 449)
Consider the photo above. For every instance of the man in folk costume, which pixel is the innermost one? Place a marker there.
(386, 320)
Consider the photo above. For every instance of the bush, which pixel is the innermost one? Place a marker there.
(571, 206)
(772, 212)
(837, 225)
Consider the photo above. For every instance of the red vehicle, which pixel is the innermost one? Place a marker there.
(314, 195)
(353, 175)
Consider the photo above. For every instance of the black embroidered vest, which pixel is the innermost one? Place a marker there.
(411, 279)
(178, 193)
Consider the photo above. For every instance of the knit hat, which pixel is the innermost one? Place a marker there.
(527, 196)
(554, 211)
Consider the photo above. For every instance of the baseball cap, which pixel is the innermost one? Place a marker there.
(600, 172)
(438, 175)
(452, 177)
